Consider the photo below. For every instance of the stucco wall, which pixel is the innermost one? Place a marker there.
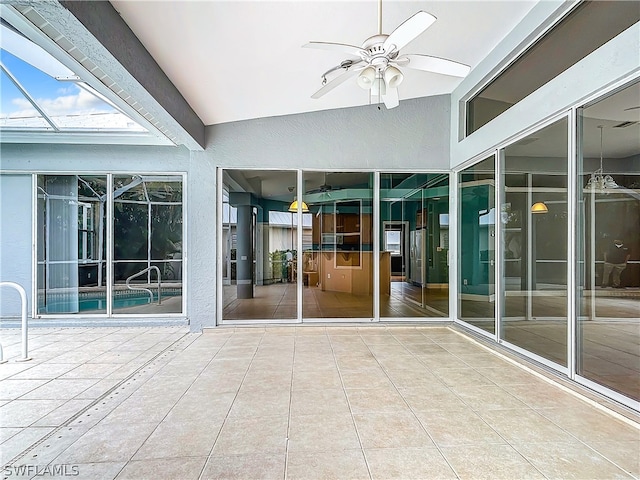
(414, 135)
(15, 240)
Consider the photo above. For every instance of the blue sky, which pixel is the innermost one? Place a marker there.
(55, 97)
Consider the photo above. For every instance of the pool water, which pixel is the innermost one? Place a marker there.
(98, 304)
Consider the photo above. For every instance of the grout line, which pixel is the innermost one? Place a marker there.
(553, 382)
(81, 412)
(235, 397)
(344, 392)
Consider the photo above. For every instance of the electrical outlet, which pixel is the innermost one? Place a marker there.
(328, 275)
(464, 282)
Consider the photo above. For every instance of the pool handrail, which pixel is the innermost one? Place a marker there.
(23, 314)
(135, 275)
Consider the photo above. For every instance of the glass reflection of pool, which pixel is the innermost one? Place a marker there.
(98, 303)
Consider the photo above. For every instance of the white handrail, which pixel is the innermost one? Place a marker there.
(25, 334)
(153, 267)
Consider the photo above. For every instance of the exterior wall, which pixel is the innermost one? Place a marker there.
(89, 159)
(609, 64)
(15, 240)
(413, 136)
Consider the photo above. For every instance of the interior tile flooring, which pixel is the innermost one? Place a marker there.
(307, 402)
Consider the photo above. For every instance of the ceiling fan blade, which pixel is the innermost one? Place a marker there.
(408, 30)
(433, 64)
(391, 99)
(338, 47)
(339, 80)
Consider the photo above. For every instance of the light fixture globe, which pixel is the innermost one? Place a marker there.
(539, 207)
(366, 78)
(393, 77)
(294, 206)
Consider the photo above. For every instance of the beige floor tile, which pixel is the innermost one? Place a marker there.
(107, 443)
(46, 371)
(187, 468)
(179, 439)
(591, 425)
(63, 413)
(8, 432)
(322, 433)
(46, 451)
(540, 394)
(408, 464)
(250, 435)
(19, 442)
(413, 378)
(98, 389)
(213, 383)
(525, 426)
(23, 413)
(258, 402)
(624, 454)
(442, 361)
(391, 430)
(60, 389)
(458, 377)
(346, 464)
(243, 467)
(319, 401)
(490, 462)
(570, 461)
(507, 375)
(13, 389)
(371, 400)
(314, 380)
(438, 397)
(366, 378)
(137, 409)
(462, 427)
(487, 397)
(92, 370)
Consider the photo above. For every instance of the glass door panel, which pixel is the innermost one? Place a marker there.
(534, 223)
(260, 250)
(338, 260)
(609, 244)
(414, 242)
(476, 245)
(147, 244)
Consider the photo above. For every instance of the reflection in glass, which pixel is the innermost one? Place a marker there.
(535, 244)
(414, 218)
(338, 262)
(147, 244)
(609, 243)
(476, 245)
(260, 245)
(71, 219)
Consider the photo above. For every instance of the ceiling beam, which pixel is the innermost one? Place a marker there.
(97, 29)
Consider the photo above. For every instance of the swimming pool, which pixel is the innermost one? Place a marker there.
(97, 303)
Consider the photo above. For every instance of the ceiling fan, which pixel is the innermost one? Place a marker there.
(378, 59)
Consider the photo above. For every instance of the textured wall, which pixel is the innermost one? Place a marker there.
(15, 240)
(414, 135)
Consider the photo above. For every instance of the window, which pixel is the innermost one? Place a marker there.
(583, 30)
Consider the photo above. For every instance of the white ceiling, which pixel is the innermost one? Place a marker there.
(236, 60)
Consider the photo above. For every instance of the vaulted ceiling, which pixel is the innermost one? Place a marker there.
(238, 60)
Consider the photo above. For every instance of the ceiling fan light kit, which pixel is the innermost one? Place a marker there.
(376, 62)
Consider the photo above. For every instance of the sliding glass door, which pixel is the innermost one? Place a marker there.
(476, 245)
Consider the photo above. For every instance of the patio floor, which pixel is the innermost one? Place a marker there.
(307, 402)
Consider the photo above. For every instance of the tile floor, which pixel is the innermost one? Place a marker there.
(306, 402)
